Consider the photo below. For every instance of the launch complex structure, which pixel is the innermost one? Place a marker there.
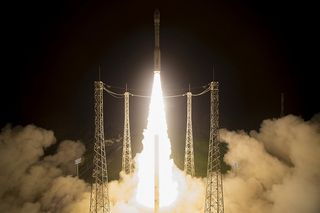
(99, 201)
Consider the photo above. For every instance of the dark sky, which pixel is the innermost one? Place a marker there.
(53, 48)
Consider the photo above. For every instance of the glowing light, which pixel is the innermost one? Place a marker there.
(157, 125)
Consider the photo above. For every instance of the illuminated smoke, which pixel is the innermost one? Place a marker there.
(274, 170)
(277, 169)
(31, 182)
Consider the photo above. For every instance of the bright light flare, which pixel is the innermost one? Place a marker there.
(157, 125)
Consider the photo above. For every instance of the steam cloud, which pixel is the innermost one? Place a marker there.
(277, 169)
(274, 170)
(32, 182)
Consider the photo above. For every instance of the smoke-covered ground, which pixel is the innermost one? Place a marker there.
(274, 170)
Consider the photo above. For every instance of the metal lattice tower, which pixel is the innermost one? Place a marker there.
(189, 155)
(99, 201)
(127, 165)
(214, 188)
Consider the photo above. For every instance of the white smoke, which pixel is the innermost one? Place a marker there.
(275, 169)
(190, 200)
(30, 182)
(278, 167)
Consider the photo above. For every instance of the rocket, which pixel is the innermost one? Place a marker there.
(156, 17)
(157, 41)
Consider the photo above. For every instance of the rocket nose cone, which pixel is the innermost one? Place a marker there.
(157, 16)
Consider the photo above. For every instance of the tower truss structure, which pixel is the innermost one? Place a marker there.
(214, 189)
(127, 165)
(99, 200)
(189, 154)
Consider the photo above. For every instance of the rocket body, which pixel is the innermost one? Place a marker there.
(157, 57)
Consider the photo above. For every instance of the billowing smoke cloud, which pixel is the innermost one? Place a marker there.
(190, 199)
(274, 170)
(32, 182)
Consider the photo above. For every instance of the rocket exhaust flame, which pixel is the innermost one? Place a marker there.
(156, 128)
(156, 186)
(156, 174)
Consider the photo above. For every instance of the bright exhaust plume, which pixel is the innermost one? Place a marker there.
(157, 125)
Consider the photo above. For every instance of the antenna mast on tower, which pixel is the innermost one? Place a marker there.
(282, 105)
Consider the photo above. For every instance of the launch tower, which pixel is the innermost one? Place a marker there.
(99, 200)
(127, 165)
(189, 155)
(214, 188)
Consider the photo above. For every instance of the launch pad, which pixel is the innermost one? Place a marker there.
(156, 186)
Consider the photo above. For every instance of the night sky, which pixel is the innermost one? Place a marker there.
(52, 50)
